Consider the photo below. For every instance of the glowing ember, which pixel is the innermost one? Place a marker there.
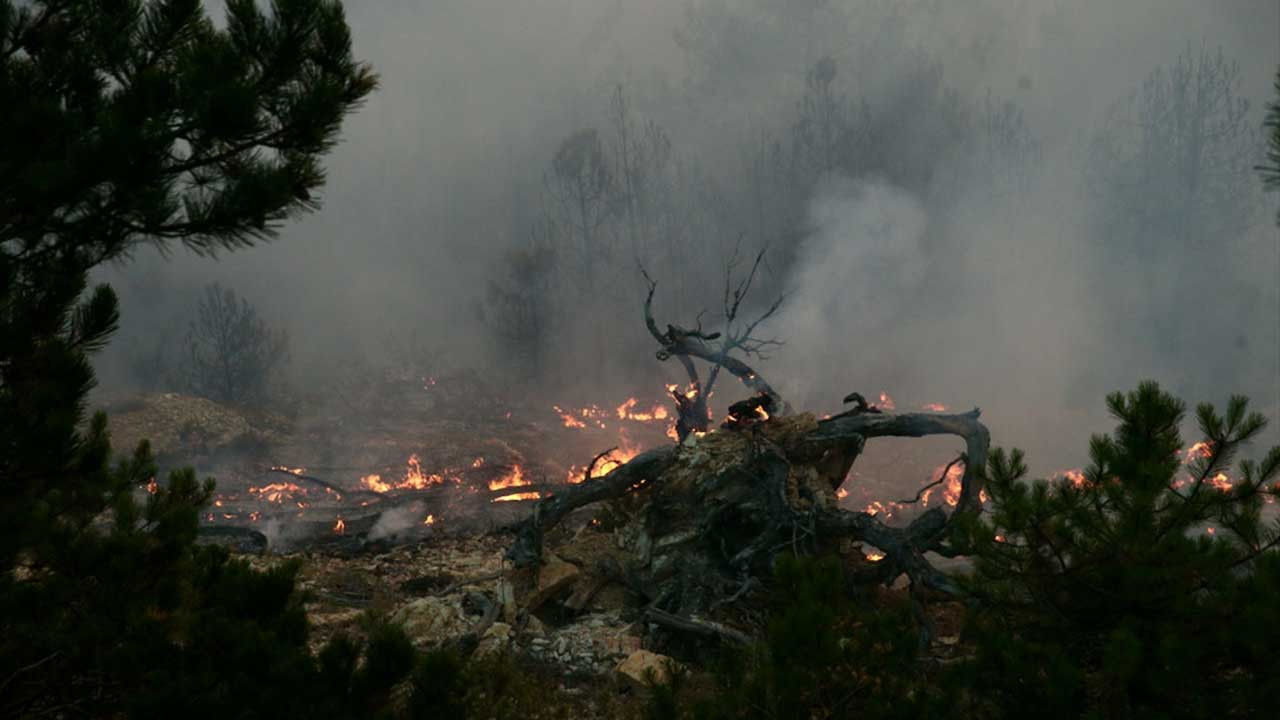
(935, 407)
(153, 487)
(1200, 450)
(1074, 476)
(886, 402)
(1220, 482)
(518, 496)
(1211, 530)
(569, 420)
(874, 556)
(478, 462)
(876, 508)
(999, 538)
(340, 527)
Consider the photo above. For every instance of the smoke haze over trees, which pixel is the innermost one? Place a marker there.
(1016, 204)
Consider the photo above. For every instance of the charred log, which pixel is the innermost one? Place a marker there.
(717, 509)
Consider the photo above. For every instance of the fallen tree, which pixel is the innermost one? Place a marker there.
(712, 512)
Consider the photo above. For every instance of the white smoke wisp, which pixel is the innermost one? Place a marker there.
(860, 258)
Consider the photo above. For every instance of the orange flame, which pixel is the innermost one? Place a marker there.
(153, 487)
(886, 402)
(431, 520)
(951, 486)
(340, 527)
(277, 492)
(935, 407)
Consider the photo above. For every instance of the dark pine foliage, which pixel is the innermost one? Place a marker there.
(1141, 589)
(130, 122)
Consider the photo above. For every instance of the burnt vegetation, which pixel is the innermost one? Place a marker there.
(1143, 586)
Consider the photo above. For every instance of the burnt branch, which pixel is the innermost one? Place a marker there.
(641, 471)
(941, 479)
(685, 344)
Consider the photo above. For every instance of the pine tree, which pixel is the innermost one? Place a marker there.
(129, 122)
(1145, 587)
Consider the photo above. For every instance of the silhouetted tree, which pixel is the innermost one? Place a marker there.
(1271, 168)
(231, 353)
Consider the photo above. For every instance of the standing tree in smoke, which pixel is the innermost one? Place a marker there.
(232, 353)
(716, 348)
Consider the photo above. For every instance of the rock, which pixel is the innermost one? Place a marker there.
(533, 626)
(430, 620)
(620, 644)
(496, 640)
(553, 577)
(506, 596)
(636, 668)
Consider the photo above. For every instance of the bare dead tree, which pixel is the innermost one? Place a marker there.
(717, 348)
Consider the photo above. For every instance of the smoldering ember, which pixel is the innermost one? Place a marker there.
(677, 360)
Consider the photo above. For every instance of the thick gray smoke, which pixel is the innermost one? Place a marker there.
(972, 245)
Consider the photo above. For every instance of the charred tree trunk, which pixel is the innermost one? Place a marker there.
(715, 510)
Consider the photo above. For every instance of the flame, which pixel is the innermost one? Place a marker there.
(513, 479)
(340, 527)
(255, 516)
(1201, 450)
(1075, 476)
(999, 538)
(842, 494)
(478, 462)
(374, 483)
(626, 412)
(414, 478)
(950, 487)
(607, 464)
(431, 520)
(277, 492)
(1210, 530)
(886, 402)
(932, 407)
(874, 556)
(671, 433)
(153, 487)
(762, 413)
